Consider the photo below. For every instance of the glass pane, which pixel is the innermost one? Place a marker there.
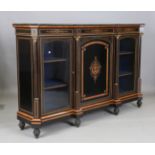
(126, 84)
(126, 65)
(55, 49)
(56, 74)
(55, 99)
(127, 45)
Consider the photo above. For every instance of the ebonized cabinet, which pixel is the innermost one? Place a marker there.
(67, 70)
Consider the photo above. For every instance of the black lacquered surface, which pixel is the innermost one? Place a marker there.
(24, 50)
(93, 87)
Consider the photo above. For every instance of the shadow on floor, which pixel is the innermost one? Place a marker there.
(1, 106)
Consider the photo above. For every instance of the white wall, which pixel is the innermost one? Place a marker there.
(8, 50)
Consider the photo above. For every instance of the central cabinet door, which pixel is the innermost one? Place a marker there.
(95, 69)
(56, 74)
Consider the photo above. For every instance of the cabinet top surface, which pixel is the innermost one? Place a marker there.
(35, 25)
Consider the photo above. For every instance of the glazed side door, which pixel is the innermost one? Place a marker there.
(127, 67)
(56, 77)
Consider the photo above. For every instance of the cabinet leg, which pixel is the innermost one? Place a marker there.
(139, 102)
(116, 110)
(77, 121)
(36, 132)
(113, 109)
(21, 125)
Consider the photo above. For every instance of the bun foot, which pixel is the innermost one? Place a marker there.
(21, 125)
(77, 121)
(139, 102)
(116, 110)
(36, 132)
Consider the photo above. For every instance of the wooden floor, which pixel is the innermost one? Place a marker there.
(131, 125)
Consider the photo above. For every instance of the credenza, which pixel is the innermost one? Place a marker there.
(67, 70)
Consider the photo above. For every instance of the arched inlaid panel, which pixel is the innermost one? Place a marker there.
(94, 79)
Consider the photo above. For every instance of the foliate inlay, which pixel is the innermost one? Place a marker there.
(77, 38)
(95, 69)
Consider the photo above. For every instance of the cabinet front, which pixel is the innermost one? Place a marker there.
(95, 67)
(56, 79)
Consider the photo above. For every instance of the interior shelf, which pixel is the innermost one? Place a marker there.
(124, 91)
(124, 73)
(52, 84)
(51, 60)
(126, 52)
